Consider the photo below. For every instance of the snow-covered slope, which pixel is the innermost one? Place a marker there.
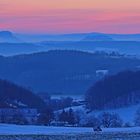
(127, 114)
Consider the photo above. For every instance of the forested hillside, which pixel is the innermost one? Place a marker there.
(115, 91)
(68, 72)
(14, 96)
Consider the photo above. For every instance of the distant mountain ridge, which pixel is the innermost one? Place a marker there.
(122, 47)
(4, 34)
(97, 37)
(94, 36)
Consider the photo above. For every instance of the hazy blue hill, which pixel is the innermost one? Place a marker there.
(13, 44)
(7, 36)
(125, 37)
(69, 72)
(8, 49)
(78, 37)
(97, 37)
(52, 37)
(127, 47)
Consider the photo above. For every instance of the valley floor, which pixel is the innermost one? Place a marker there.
(11, 132)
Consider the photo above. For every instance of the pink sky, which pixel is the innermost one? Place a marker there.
(68, 16)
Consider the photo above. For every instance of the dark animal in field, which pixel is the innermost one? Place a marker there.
(97, 129)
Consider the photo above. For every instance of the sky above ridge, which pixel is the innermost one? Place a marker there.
(69, 16)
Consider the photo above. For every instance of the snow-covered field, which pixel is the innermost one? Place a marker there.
(6, 129)
(37, 130)
(17, 132)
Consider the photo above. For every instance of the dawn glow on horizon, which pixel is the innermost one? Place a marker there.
(70, 16)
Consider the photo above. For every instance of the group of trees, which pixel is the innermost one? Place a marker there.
(46, 116)
(110, 120)
(68, 117)
(105, 119)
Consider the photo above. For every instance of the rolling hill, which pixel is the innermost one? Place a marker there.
(13, 96)
(115, 91)
(7, 36)
(62, 72)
